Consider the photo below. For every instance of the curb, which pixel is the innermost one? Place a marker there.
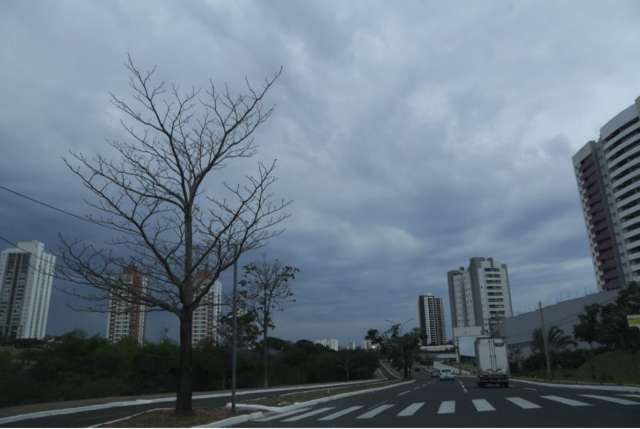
(582, 386)
(298, 404)
(232, 420)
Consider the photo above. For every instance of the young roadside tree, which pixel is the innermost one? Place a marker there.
(158, 194)
(557, 341)
(587, 328)
(267, 291)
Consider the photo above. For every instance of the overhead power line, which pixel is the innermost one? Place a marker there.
(50, 206)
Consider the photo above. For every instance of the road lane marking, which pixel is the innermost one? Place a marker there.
(404, 393)
(447, 407)
(566, 401)
(631, 395)
(522, 403)
(280, 415)
(309, 414)
(340, 413)
(612, 399)
(371, 414)
(482, 405)
(411, 409)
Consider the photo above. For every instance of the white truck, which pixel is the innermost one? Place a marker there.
(492, 361)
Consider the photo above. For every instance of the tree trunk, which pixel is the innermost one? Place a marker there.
(183, 397)
(265, 356)
(184, 406)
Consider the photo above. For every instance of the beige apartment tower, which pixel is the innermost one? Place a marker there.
(127, 319)
(608, 176)
(480, 295)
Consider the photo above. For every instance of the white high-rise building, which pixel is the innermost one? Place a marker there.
(206, 317)
(608, 176)
(127, 318)
(431, 317)
(26, 276)
(480, 296)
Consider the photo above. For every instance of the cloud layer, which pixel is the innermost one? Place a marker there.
(411, 137)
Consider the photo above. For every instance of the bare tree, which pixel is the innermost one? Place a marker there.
(268, 289)
(155, 197)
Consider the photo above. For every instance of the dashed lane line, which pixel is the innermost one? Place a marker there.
(411, 409)
(404, 393)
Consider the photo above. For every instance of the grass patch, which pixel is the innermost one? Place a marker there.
(616, 367)
(308, 395)
(166, 418)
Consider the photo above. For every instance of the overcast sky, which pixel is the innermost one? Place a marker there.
(410, 135)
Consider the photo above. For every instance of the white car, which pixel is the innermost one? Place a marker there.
(446, 374)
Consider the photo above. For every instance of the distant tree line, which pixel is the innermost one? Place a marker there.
(77, 366)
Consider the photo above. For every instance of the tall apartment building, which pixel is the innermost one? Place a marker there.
(431, 317)
(126, 319)
(206, 317)
(26, 276)
(608, 176)
(480, 295)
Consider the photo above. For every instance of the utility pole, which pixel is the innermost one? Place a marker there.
(544, 341)
(234, 341)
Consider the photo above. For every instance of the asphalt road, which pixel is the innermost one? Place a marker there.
(460, 403)
(91, 418)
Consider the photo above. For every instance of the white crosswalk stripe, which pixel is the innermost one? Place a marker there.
(281, 415)
(371, 414)
(482, 405)
(411, 409)
(566, 401)
(340, 413)
(447, 407)
(309, 414)
(522, 403)
(612, 399)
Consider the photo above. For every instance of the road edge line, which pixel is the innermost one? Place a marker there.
(232, 420)
(127, 417)
(141, 401)
(581, 386)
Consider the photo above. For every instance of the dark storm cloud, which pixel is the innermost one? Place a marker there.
(410, 137)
